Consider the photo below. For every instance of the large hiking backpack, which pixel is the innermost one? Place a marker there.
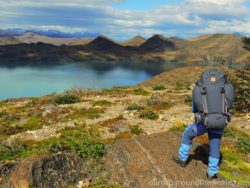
(213, 97)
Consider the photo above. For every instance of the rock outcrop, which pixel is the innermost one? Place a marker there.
(147, 161)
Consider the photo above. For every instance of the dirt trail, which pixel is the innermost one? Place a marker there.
(146, 161)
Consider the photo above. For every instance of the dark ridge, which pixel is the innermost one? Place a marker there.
(157, 43)
(102, 43)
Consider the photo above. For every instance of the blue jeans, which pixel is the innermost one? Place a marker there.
(214, 135)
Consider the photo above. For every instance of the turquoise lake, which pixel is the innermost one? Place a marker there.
(29, 81)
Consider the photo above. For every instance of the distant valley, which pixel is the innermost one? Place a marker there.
(35, 49)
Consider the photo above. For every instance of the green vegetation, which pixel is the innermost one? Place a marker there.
(86, 146)
(82, 113)
(2, 114)
(157, 103)
(241, 84)
(244, 143)
(234, 167)
(66, 99)
(115, 90)
(12, 125)
(135, 107)
(246, 41)
(229, 133)
(94, 113)
(232, 177)
(178, 86)
(16, 150)
(32, 124)
(242, 139)
(159, 87)
(182, 85)
(135, 129)
(102, 103)
(148, 114)
(141, 91)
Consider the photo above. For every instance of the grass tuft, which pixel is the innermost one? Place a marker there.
(178, 126)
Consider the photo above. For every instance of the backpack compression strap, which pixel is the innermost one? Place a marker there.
(224, 101)
(204, 100)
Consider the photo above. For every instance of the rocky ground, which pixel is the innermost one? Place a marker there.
(59, 140)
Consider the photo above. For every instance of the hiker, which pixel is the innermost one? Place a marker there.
(212, 98)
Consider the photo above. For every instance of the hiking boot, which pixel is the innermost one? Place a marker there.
(210, 178)
(180, 162)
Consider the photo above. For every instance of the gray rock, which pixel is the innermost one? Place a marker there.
(50, 109)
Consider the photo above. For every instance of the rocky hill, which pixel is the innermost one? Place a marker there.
(119, 137)
(30, 37)
(223, 49)
(102, 43)
(157, 43)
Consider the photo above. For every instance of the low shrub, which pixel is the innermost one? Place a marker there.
(158, 103)
(178, 86)
(66, 99)
(73, 140)
(94, 113)
(83, 145)
(101, 103)
(2, 114)
(229, 133)
(140, 91)
(244, 143)
(135, 107)
(16, 149)
(148, 114)
(135, 129)
(159, 87)
(234, 164)
(243, 140)
(32, 124)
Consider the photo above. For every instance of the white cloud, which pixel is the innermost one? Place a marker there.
(228, 26)
(190, 17)
(230, 8)
(217, 2)
(41, 3)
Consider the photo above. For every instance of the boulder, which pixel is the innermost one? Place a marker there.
(57, 170)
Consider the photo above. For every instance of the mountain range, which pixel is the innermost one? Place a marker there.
(32, 48)
(48, 33)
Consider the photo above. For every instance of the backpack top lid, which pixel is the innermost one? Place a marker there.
(212, 76)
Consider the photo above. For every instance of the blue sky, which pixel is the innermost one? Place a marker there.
(122, 19)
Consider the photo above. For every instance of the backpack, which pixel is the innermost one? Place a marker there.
(213, 97)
